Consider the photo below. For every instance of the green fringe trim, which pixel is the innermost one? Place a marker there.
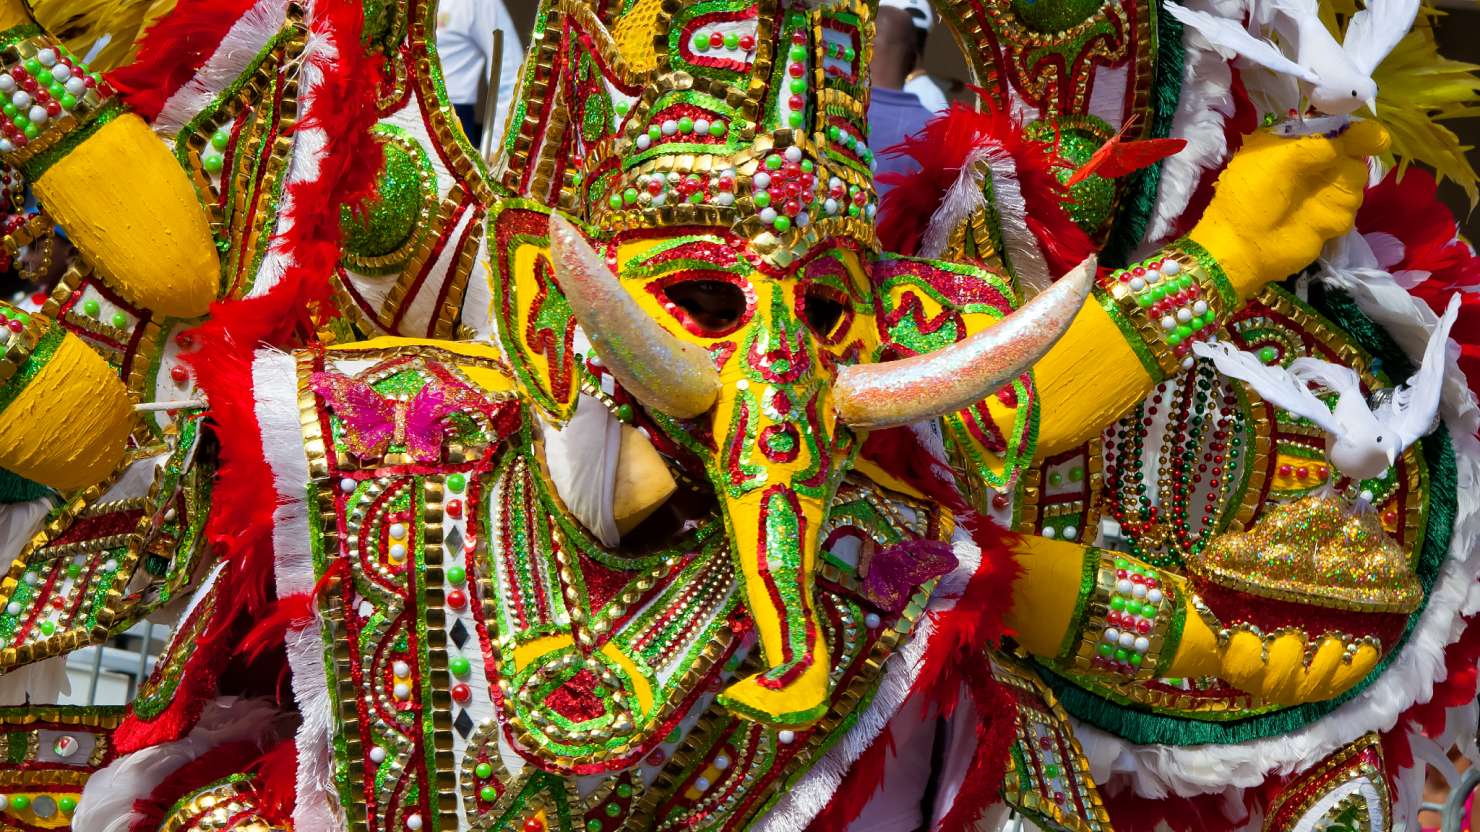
(1138, 196)
(1145, 728)
(15, 488)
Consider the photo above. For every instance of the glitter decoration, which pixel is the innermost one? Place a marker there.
(1315, 551)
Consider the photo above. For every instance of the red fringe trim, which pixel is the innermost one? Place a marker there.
(173, 49)
(240, 525)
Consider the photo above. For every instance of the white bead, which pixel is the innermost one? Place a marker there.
(1070, 532)
(834, 182)
(1365, 496)
(1154, 596)
(169, 515)
(768, 215)
(1112, 635)
(673, 177)
(1127, 639)
(1171, 267)
(658, 200)
(802, 220)
(1050, 532)
(1137, 284)
(830, 206)
(13, 608)
(872, 620)
(1184, 315)
(413, 822)
(786, 736)
(61, 72)
(21, 98)
(6, 145)
(30, 578)
(377, 754)
(347, 485)
(47, 56)
(721, 762)
(1199, 308)
(701, 125)
(742, 384)
(7, 83)
(1142, 644)
(1187, 363)
(670, 127)
(398, 531)
(401, 690)
(644, 142)
(398, 551)
(1139, 590)
(793, 154)
(109, 565)
(1168, 322)
(702, 783)
(76, 85)
(366, 609)
(401, 669)
(725, 198)
(1152, 275)
(1124, 586)
(871, 210)
(761, 180)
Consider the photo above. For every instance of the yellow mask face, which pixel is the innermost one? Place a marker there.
(774, 448)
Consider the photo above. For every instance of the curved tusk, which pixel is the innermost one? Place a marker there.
(893, 393)
(661, 371)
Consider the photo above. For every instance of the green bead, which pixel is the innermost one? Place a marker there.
(1122, 654)
(213, 162)
(1076, 474)
(48, 627)
(1117, 603)
(624, 790)
(762, 199)
(9, 110)
(798, 52)
(90, 307)
(459, 666)
(1122, 563)
(1055, 478)
(798, 85)
(1267, 354)
(629, 196)
(1106, 649)
(612, 810)
(68, 805)
(685, 125)
(456, 482)
(33, 66)
(488, 794)
(74, 569)
(593, 825)
(483, 770)
(457, 574)
(56, 90)
(655, 133)
(808, 166)
(773, 162)
(1137, 658)
(794, 119)
(20, 802)
(701, 44)
(615, 202)
(782, 224)
(622, 108)
(853, 211)
(849, 53)
(1052, 770)
(834, 133)
(1174, 339)
(220, 139)
(624, 412)
(1183, 330)
(696, 198)
(716, 128)
(69, 101)
(1148, 609)
(120, 320)
(732, 40)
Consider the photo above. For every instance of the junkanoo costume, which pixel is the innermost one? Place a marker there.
(630, 482)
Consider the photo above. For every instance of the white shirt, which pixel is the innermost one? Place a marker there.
(927, 91)
(465, 44)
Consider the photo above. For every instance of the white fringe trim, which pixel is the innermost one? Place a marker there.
(805, 798)
(275, 381)
(241, 44)
(1158, 771)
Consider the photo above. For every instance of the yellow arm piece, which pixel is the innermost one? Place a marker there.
(1061, 599)
(1277, 203)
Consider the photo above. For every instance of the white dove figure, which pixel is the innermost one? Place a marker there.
(1337, 77)
(1361, 442)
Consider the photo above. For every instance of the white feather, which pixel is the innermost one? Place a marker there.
(1411, 409)
(107, 801)
(1375, 31)
(1274, 384)
(1235, 39)
(241, 44)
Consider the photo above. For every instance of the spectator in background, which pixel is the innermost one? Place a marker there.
(465, 45)
(894, 113)
(917, 80)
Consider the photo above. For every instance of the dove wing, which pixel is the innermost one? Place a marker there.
(1274, 384)
(1375, 31)
(1410, 411)
(1232, 36)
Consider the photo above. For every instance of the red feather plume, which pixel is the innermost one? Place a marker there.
(172, 50)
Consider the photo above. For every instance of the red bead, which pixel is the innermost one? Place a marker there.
(454, 509)
(1302, 472)
(792, 208)
(15, 326)
(1390, 517)
(38, 298)
(534, 825)
(1120, 573)
(796, 102)
(1143, 626)
(716, 40)
(1321, 473)
(461, 692)
(1285, 470)
(53, 109)
(655, 186)
(795, 70)
(799, 38)
(457, 599)
(179, 374)
(747, 42)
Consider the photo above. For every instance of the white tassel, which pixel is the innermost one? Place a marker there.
(107, 802)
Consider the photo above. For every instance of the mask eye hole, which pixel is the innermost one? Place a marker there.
(824, 310)
(710, 308)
